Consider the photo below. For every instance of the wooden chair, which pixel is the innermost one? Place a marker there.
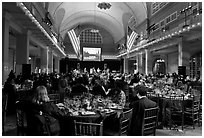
(200, 116)
(176, 111)
(55, 98)
(153, 97)
(150, 121)
(191, 113)
(4, 110)
(126, 90)
(123, 125)
(21, 121)
(125, 121)
(88, 129)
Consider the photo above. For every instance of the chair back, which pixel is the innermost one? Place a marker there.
(150, 121)
(126, 90)
(4, 109)
(4, 101)
(55, 98)
(177, 102)
(176, 114)
(88, 129)
(153, 97)
(195, 102)
(20, 120)
(192, 110)
(125, 121)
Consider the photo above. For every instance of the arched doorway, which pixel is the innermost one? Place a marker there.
(159, 66)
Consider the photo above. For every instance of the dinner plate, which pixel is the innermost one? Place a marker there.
(107, 110)
(88, 113)
(116, 107)
(60, 105)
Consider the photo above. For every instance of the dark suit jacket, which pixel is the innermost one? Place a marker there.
(98, 90)
(79, 89)
(35, 125)
(137, 115)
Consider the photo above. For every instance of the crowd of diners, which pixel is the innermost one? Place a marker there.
(103, 83)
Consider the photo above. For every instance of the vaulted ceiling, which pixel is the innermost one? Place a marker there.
(68, 15)
(111, 22)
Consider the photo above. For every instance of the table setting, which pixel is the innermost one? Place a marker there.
(88, 105)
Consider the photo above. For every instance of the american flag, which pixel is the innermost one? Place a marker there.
(75, 41)
(131, 38)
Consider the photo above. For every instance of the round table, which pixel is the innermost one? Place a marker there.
(67, 122)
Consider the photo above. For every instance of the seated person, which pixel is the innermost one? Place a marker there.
(79, 87)
(135, 79)
(138, 110)
(10, 90)
(40, 107)
(117, 94)
(97, 88)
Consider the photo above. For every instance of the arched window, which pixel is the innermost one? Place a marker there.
(90, 36)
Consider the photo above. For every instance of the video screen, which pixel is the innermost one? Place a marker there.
(91, 54)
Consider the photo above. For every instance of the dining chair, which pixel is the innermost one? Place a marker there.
(200, 116)
(20, 120)
(125, 121)
(123, 125)
(176, 111)
(4, 110)
(126, 90)
(150, 121)
(153, 97)
(88, 129)
(55, 98)
(192, 112)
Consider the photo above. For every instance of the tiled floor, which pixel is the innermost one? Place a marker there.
(10, 129)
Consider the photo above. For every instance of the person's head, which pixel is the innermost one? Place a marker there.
(10, 81)
(141, 90)
(119, 84)
(41, 94)
(80, 80)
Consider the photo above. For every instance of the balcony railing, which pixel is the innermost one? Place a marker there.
(174, 28)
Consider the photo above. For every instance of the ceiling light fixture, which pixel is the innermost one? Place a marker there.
(104, 5)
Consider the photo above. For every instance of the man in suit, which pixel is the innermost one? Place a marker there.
(138, 110)
(79, 88)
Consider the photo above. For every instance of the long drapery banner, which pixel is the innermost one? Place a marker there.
(131, 38)
(75, 41)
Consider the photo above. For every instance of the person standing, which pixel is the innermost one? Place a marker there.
(62, 86)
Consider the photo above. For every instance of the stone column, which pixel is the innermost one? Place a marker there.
(137, 61)
(125, 65)
(5, 48)
(148, 62)
(183, 56)
(50, 61)
(22, 51)
(57, 64)
(140, 63)
(165, 58)
(44, 60)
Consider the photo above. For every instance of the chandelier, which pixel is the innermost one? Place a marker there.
(104, 5)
